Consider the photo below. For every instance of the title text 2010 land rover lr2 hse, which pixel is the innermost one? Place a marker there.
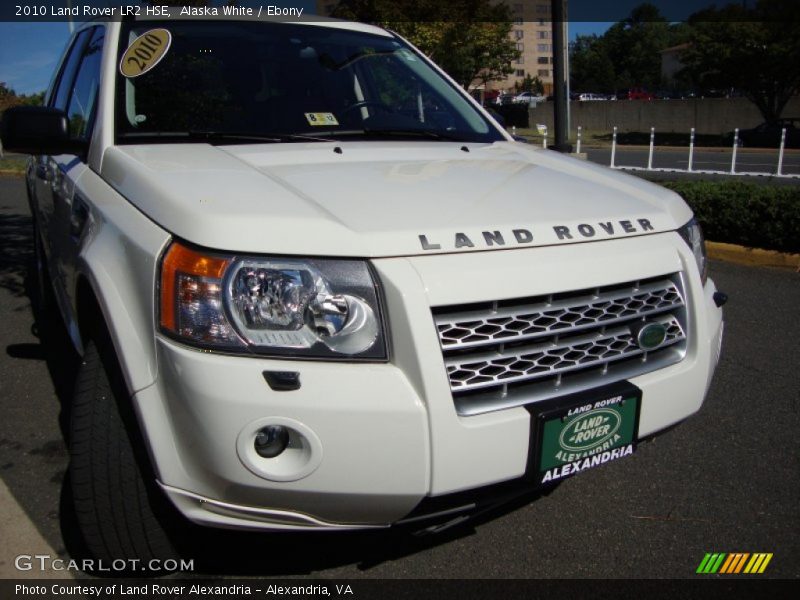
(316, 286)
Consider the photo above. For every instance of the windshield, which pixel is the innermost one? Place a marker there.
(246, 82)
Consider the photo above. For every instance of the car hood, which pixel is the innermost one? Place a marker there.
(372, 199)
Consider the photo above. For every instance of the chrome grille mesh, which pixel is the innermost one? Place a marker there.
(508, 353)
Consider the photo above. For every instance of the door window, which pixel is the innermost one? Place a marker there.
(60, 96)
(83, 100)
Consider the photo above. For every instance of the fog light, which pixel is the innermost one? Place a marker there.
(271, 441)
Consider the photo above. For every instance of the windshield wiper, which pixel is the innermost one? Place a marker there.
(423, 133)
(329, 63)
(226, 136)
(266, 137)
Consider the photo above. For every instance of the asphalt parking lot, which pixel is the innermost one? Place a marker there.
(726, 480)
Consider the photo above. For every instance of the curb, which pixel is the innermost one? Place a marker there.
(753, 257)
(20, 532)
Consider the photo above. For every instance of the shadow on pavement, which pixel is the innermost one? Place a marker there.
(15, 252)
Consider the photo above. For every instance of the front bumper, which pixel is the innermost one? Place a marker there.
(373, 440)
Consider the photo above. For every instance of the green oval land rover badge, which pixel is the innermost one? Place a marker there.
(651, 336)
(590, 430)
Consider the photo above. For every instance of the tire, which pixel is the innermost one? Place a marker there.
(119, 508)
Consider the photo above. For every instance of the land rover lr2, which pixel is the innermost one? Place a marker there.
(315, 285)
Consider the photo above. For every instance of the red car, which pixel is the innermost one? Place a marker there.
(638, 94)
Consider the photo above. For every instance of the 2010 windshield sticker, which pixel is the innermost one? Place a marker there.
(145, 52)
(321, 119)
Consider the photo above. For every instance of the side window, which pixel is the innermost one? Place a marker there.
(83, 100)
(60, 96)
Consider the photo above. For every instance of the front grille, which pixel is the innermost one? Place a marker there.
(512, 352)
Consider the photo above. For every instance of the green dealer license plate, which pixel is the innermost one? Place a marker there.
(579, 435)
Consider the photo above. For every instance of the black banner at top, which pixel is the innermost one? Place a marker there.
(405, 10)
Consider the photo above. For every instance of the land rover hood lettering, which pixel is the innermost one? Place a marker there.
(525, 236)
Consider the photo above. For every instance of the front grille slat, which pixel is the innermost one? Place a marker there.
(544, 360)
(508, 353)
(529, 321)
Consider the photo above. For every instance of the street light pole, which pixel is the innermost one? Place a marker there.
(560, 76)
(69, 17)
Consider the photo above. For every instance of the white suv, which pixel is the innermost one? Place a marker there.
(316, 286)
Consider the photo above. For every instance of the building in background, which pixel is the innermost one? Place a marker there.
(531, 32)
(671, 63)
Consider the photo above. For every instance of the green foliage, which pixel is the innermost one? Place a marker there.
(13, 166)
(32, 99)
(756, 50)
(590, 65)
(9, 98)
(627, 55)
(634, 47)
(759, 216)
(531, 84)
(469, 39)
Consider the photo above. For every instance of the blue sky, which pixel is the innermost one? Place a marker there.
(587, 28)
(28, 54)
(29, 50)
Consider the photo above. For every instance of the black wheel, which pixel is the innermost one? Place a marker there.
(120, 510)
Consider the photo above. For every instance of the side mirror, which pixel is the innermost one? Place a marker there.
(497, 117)
(38, 130)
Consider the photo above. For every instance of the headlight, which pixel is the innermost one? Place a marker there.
(314, 308)
(693, 235)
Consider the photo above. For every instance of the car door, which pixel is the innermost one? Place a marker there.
(68, 210)
(45, 181)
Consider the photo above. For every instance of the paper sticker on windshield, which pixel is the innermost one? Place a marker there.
(145, 52)
(321, 119)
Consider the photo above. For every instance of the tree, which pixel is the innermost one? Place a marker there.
(469, 39)
(756, 51)
(9, 98)
(590, 66)
(627, 55)
(531, 84)
(634, 47)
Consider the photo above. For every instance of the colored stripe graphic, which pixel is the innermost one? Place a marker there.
(741, 562)
(711, 562)
(733, 563)
(758, 563)
(703, 563)
(727, 564)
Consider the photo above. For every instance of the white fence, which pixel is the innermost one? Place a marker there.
(542, 129)
(732, 171)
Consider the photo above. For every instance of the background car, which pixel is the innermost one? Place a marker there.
(527, 98)
(590, 97)
(638, 94)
